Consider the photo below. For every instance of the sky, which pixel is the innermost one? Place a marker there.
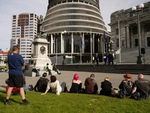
(15, 7)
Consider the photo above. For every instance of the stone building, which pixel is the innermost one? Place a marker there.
(125, 25)
(75, 30)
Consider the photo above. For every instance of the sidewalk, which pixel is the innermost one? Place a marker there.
(66, 76)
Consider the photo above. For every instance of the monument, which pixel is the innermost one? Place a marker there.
(39, 58)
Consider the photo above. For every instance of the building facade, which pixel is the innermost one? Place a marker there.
(75, 29)
(125, 25)
(24, 30)
(3, 58)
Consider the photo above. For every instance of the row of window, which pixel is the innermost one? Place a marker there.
(77, 29)
(74, 6)
(91, 2)
(65, 17)
(75, 11)
(75, 23)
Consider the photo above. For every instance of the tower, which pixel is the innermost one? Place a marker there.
(75, 28)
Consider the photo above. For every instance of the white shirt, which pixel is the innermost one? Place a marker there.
(55, 87)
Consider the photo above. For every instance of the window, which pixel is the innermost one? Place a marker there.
(117, 42)
(136, 42)
(117, 31)
(135, 30)
(148, 41)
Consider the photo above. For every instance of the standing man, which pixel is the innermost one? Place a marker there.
(16, 79)
(141, 89)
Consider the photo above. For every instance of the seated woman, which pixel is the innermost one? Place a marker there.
(126, 86)
(76, 84)
(106, 87)
(54, 86)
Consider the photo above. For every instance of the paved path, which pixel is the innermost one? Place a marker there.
(66, 76)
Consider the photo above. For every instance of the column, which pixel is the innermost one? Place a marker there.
(52, 43)
(62, 43)
(72, 43)
(83, 43)
(93, 44)
(127, 37)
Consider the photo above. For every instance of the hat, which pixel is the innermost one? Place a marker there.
(127, 76)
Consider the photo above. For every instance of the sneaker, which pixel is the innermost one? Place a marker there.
(24, 102)
(7, 102)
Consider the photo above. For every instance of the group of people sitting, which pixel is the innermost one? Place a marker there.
(44, 85)
(139, 90)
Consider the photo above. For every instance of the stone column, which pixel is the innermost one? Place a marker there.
(52, 43)
(62, 43)
(127, 40)
(93, 42)
(72, 43)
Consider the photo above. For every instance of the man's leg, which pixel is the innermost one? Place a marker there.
(8, 94)
(63, 86)
(22, 94)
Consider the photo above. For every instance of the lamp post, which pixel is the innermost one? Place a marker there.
(138, 9)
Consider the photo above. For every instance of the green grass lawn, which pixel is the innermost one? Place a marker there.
(72, 103)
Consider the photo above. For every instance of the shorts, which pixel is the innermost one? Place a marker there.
(16, 81)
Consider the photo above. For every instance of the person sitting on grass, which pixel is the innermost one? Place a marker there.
(76, 84)
(141, 88)
(41, 83)
(126, 86)
(91, 85)
(106, 87)
(54, 86)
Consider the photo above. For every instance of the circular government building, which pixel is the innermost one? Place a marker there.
(76, 31)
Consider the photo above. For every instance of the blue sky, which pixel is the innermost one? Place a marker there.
(12, 7)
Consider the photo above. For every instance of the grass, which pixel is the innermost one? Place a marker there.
(72, 103)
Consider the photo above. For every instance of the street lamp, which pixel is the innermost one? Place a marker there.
(138, 9)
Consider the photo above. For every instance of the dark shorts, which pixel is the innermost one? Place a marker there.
(16, 81)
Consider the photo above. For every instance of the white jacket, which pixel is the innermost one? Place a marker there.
(55, 87)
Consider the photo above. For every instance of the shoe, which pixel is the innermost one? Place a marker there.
(24, 102)
(7, 102)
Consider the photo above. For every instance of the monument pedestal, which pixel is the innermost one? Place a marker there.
(40, 57)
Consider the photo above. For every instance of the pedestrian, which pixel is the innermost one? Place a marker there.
(16, 79)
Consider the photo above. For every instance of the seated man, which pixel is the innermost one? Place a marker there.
(91, 85)
(41, 83)
(141, 88)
